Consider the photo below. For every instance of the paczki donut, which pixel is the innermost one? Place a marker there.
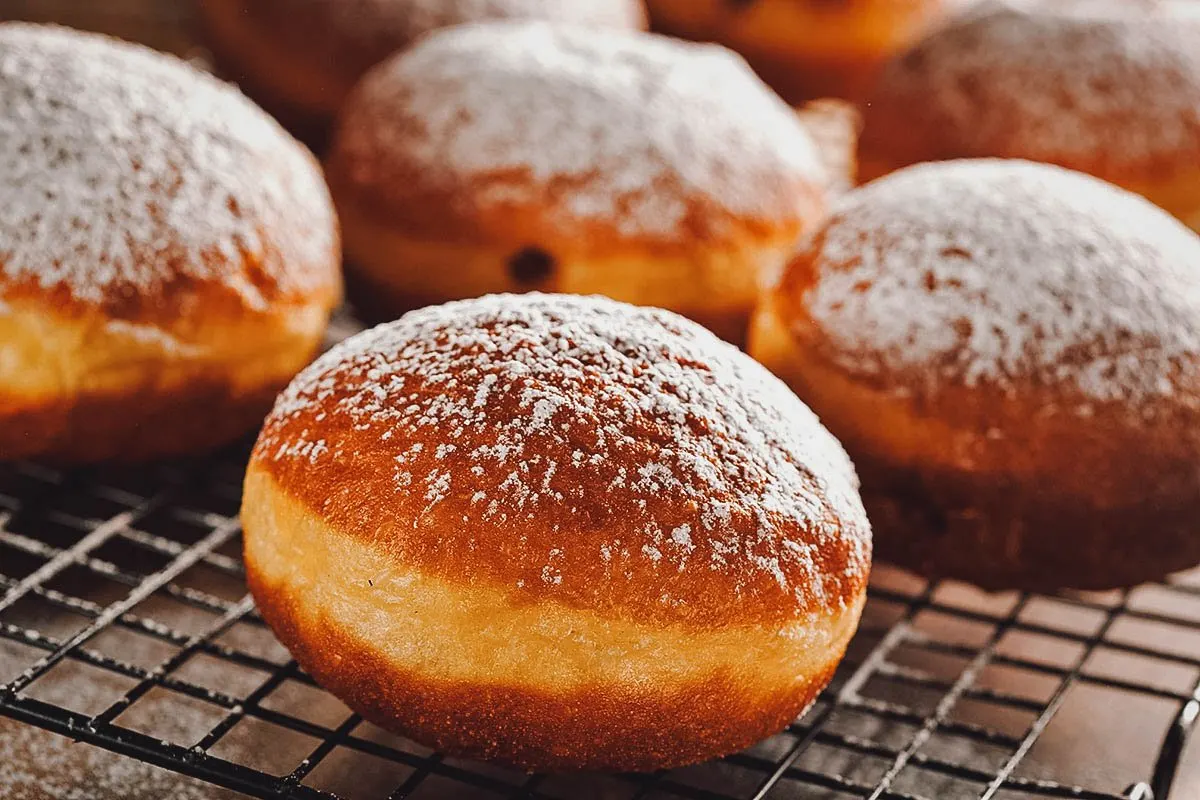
(168, 255)
(1010, 353)
(514, 157)
(1106, 87)
(557, 532)
(301, 58)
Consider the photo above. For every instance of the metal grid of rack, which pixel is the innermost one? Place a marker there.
(152, 555)
(125, 624)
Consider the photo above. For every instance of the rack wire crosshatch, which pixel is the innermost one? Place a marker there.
(125, 625)
(84, 555)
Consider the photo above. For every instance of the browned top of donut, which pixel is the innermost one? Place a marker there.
(348, 37)
(610, 136)
(1012, 278)
(135, 183)
(1108, 87)
(577, 449)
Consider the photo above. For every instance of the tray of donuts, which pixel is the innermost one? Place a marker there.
(654, 374)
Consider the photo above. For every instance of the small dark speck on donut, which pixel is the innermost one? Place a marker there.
(531, 266)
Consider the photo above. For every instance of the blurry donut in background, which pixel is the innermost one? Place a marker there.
(510, 157)
(1010, 353)
(169, 256)
(807, 48)
(1107, 87)
(301, 58)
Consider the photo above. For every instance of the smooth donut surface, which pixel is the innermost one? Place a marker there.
(558, 532)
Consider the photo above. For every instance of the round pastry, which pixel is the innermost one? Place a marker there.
(302, 57)
(557, 532)
(1010, 353)
(1107, 87)
(512, 157)
(168, 255)
(807, 48)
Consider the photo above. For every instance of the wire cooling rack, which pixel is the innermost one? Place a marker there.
(125, 625)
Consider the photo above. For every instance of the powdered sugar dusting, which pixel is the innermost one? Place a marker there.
(1104, 85)
(1002, 272)
(126, 172)
(632, 129)
(643, 440)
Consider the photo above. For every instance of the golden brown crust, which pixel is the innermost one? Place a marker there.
(1002, 533)
(499, 673)
(391, 273)
(997, 492)
(1049, 458)
(84, 386)
(600, 455)
(137, 425)
(807, 48)
(379, 301)
(173, 306)
(597, 728)
(556, 532)
(307, 55)
(1107, 87)
(397, 198)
